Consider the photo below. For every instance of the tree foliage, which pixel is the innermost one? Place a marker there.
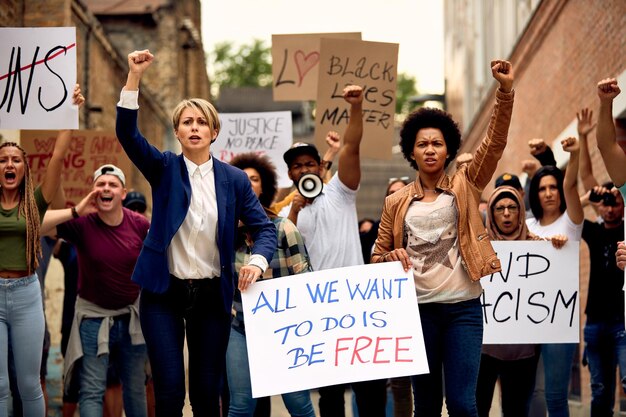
(244, 66)
(405, 88)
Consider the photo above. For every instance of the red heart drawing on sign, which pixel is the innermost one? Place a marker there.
(304, 63)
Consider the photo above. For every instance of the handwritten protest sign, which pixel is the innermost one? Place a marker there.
(88, 151)
(267, 133)
(295, 64)
(334, 326)
(373, 66)
(37, 77)
(535, 299)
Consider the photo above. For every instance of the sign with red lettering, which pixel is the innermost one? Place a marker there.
(536, 298)
(265, 133)
(37, 78)
(295, 64)
(373, 66)
(89, 150)
(330, 327)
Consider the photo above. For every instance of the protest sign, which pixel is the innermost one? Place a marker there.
(371, 65)
(88, 151)
(330, 327)
(535, 299)
(267, 133)
(37, 78)
(295, 64)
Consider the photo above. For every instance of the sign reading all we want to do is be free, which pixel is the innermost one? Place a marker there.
(335, 326)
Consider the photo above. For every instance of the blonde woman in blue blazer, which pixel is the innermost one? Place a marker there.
(185, 267)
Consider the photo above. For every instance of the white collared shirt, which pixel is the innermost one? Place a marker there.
(193, 252)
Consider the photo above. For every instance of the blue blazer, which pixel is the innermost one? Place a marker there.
(171, 195)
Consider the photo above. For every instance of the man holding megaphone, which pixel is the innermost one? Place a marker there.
(327, 219)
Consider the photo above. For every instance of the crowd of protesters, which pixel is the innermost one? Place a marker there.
(138, 288)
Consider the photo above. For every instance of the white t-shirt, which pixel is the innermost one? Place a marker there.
(330, 227)
(561, 226)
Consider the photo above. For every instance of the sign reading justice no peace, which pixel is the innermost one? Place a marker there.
(37, 78)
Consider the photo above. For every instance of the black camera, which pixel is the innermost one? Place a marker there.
(607, 198)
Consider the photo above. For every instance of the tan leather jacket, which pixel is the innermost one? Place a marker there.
(477, 254)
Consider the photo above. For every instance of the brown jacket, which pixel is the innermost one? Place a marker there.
(467, 183)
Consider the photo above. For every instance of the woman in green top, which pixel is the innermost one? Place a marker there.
(22, 207)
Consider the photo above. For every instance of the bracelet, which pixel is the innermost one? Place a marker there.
(74, 212)
(327, 164)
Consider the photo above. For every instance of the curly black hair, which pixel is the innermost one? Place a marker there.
(266, 170)
(533, 192)
(426, 117)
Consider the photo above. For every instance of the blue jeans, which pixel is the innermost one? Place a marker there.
(194, 307)
(453, 335)
(238, 372)
(131, 362)
(605, 347)
(557, 364)
(21, 314)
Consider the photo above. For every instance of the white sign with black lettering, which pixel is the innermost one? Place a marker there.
(535, 299)
(265, 133)
(37, 77)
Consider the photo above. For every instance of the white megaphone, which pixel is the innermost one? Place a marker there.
(310, 185)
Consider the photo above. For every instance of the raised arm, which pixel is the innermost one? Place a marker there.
(486, 157)
(542, 152)
(333, 139)
(584, 126)
(612, 154)
(52, 180)
(138, 62)
(570, 182)
(349, 169)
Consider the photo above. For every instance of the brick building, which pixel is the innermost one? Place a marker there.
(560, 50)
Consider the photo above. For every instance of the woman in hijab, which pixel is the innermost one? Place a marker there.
(515, 365)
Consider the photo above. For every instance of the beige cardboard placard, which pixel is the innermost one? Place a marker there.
(89, 150)
(295, 65)
(373, 66)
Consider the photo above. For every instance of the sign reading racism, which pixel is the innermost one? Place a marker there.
(535, 299)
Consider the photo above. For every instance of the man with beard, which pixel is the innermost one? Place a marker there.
(329, 225)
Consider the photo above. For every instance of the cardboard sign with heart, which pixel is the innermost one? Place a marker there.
(296, 62)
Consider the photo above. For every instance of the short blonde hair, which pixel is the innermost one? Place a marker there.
(200, 105)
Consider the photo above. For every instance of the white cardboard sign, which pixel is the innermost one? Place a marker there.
(268, 133)
(536, 298)
(330, 327)
(37, 78)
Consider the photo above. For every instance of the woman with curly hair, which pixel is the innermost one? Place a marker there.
(290, 258)
(22, 207)
(434, 228)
